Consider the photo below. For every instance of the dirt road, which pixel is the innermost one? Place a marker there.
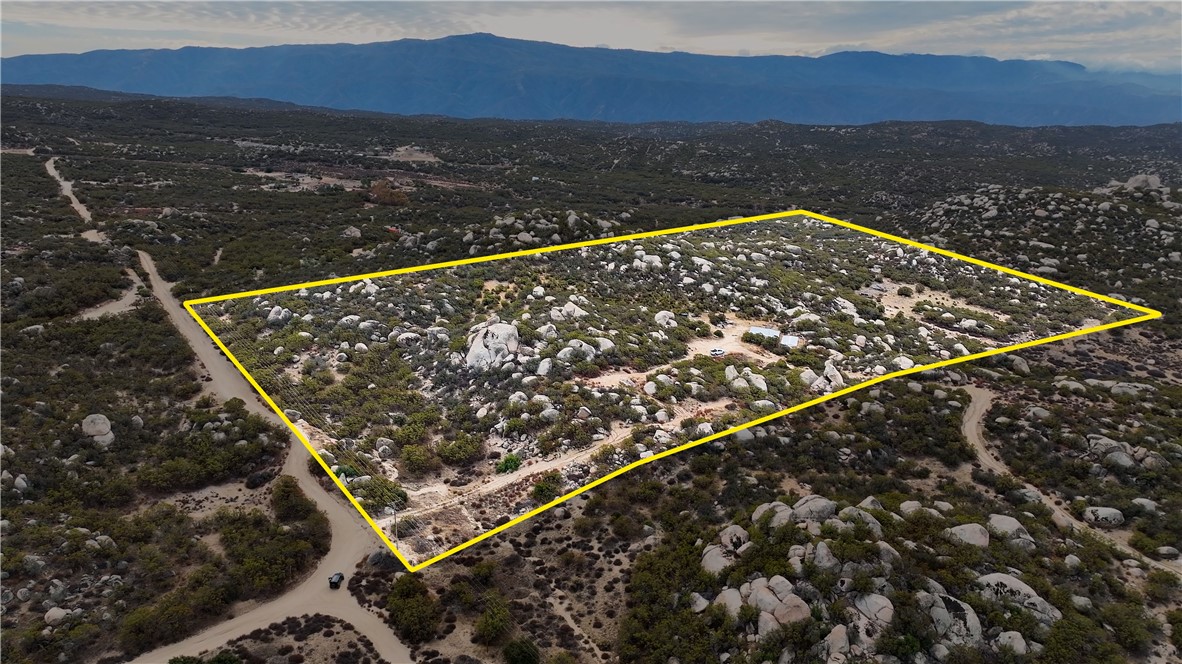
(112, 307)
(973, 428)
(352, 538)
(67, 190)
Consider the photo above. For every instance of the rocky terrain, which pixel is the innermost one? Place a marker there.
(1061, 438)
(482, 418)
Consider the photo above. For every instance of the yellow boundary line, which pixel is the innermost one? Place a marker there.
(1147, 314)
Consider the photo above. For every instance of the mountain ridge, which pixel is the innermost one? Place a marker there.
(482, 75)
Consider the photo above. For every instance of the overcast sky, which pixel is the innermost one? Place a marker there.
(1102, 35)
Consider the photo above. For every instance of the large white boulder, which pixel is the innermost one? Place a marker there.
(814, 508)
(96, 425)
(733, 536)
(715, 559)
(489, 345)
(877, 608)
(954, 621)
(665, 319)
(55, 616)
(781, 514)
(1107, 517)
(824, 559)
(1001, 587)
(731, 600)
(973, 534)
(792, 609)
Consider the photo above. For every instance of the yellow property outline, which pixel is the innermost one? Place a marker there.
(1147, 314)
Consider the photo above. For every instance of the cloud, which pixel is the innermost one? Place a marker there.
(1111, 35)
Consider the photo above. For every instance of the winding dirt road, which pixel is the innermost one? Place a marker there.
(352, 538)
(973, 428)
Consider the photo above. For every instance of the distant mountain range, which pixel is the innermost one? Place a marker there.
(483, 75)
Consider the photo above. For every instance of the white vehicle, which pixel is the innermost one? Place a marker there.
(717, 352)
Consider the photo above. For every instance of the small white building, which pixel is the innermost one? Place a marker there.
(788, 340)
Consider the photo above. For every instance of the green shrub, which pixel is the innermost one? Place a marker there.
(1175, 619)
(547, 488)
(466, 448)
(1130, 625)
(522, 651)
(1077, 640)
(289, 501)
(1160, 585)
(510, 463)
(495, 622)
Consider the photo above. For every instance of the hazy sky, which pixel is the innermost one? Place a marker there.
(1101, 35)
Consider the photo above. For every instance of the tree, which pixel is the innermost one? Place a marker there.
(418, 459)
(414, 612)
(289, 502)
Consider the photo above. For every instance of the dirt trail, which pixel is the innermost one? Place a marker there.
(67, 190)
(973, 428)
(498, 482)
(352, 538)
(124, 303)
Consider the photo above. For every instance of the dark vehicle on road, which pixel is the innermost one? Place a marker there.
(334, 581)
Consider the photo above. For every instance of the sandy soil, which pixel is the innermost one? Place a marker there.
(315, 638)
(894, 303)
(207, 501)
(410, 153)
(731, 342)
(305, 182)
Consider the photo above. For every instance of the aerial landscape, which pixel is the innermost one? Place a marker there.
(450, 349)
(499, 392)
